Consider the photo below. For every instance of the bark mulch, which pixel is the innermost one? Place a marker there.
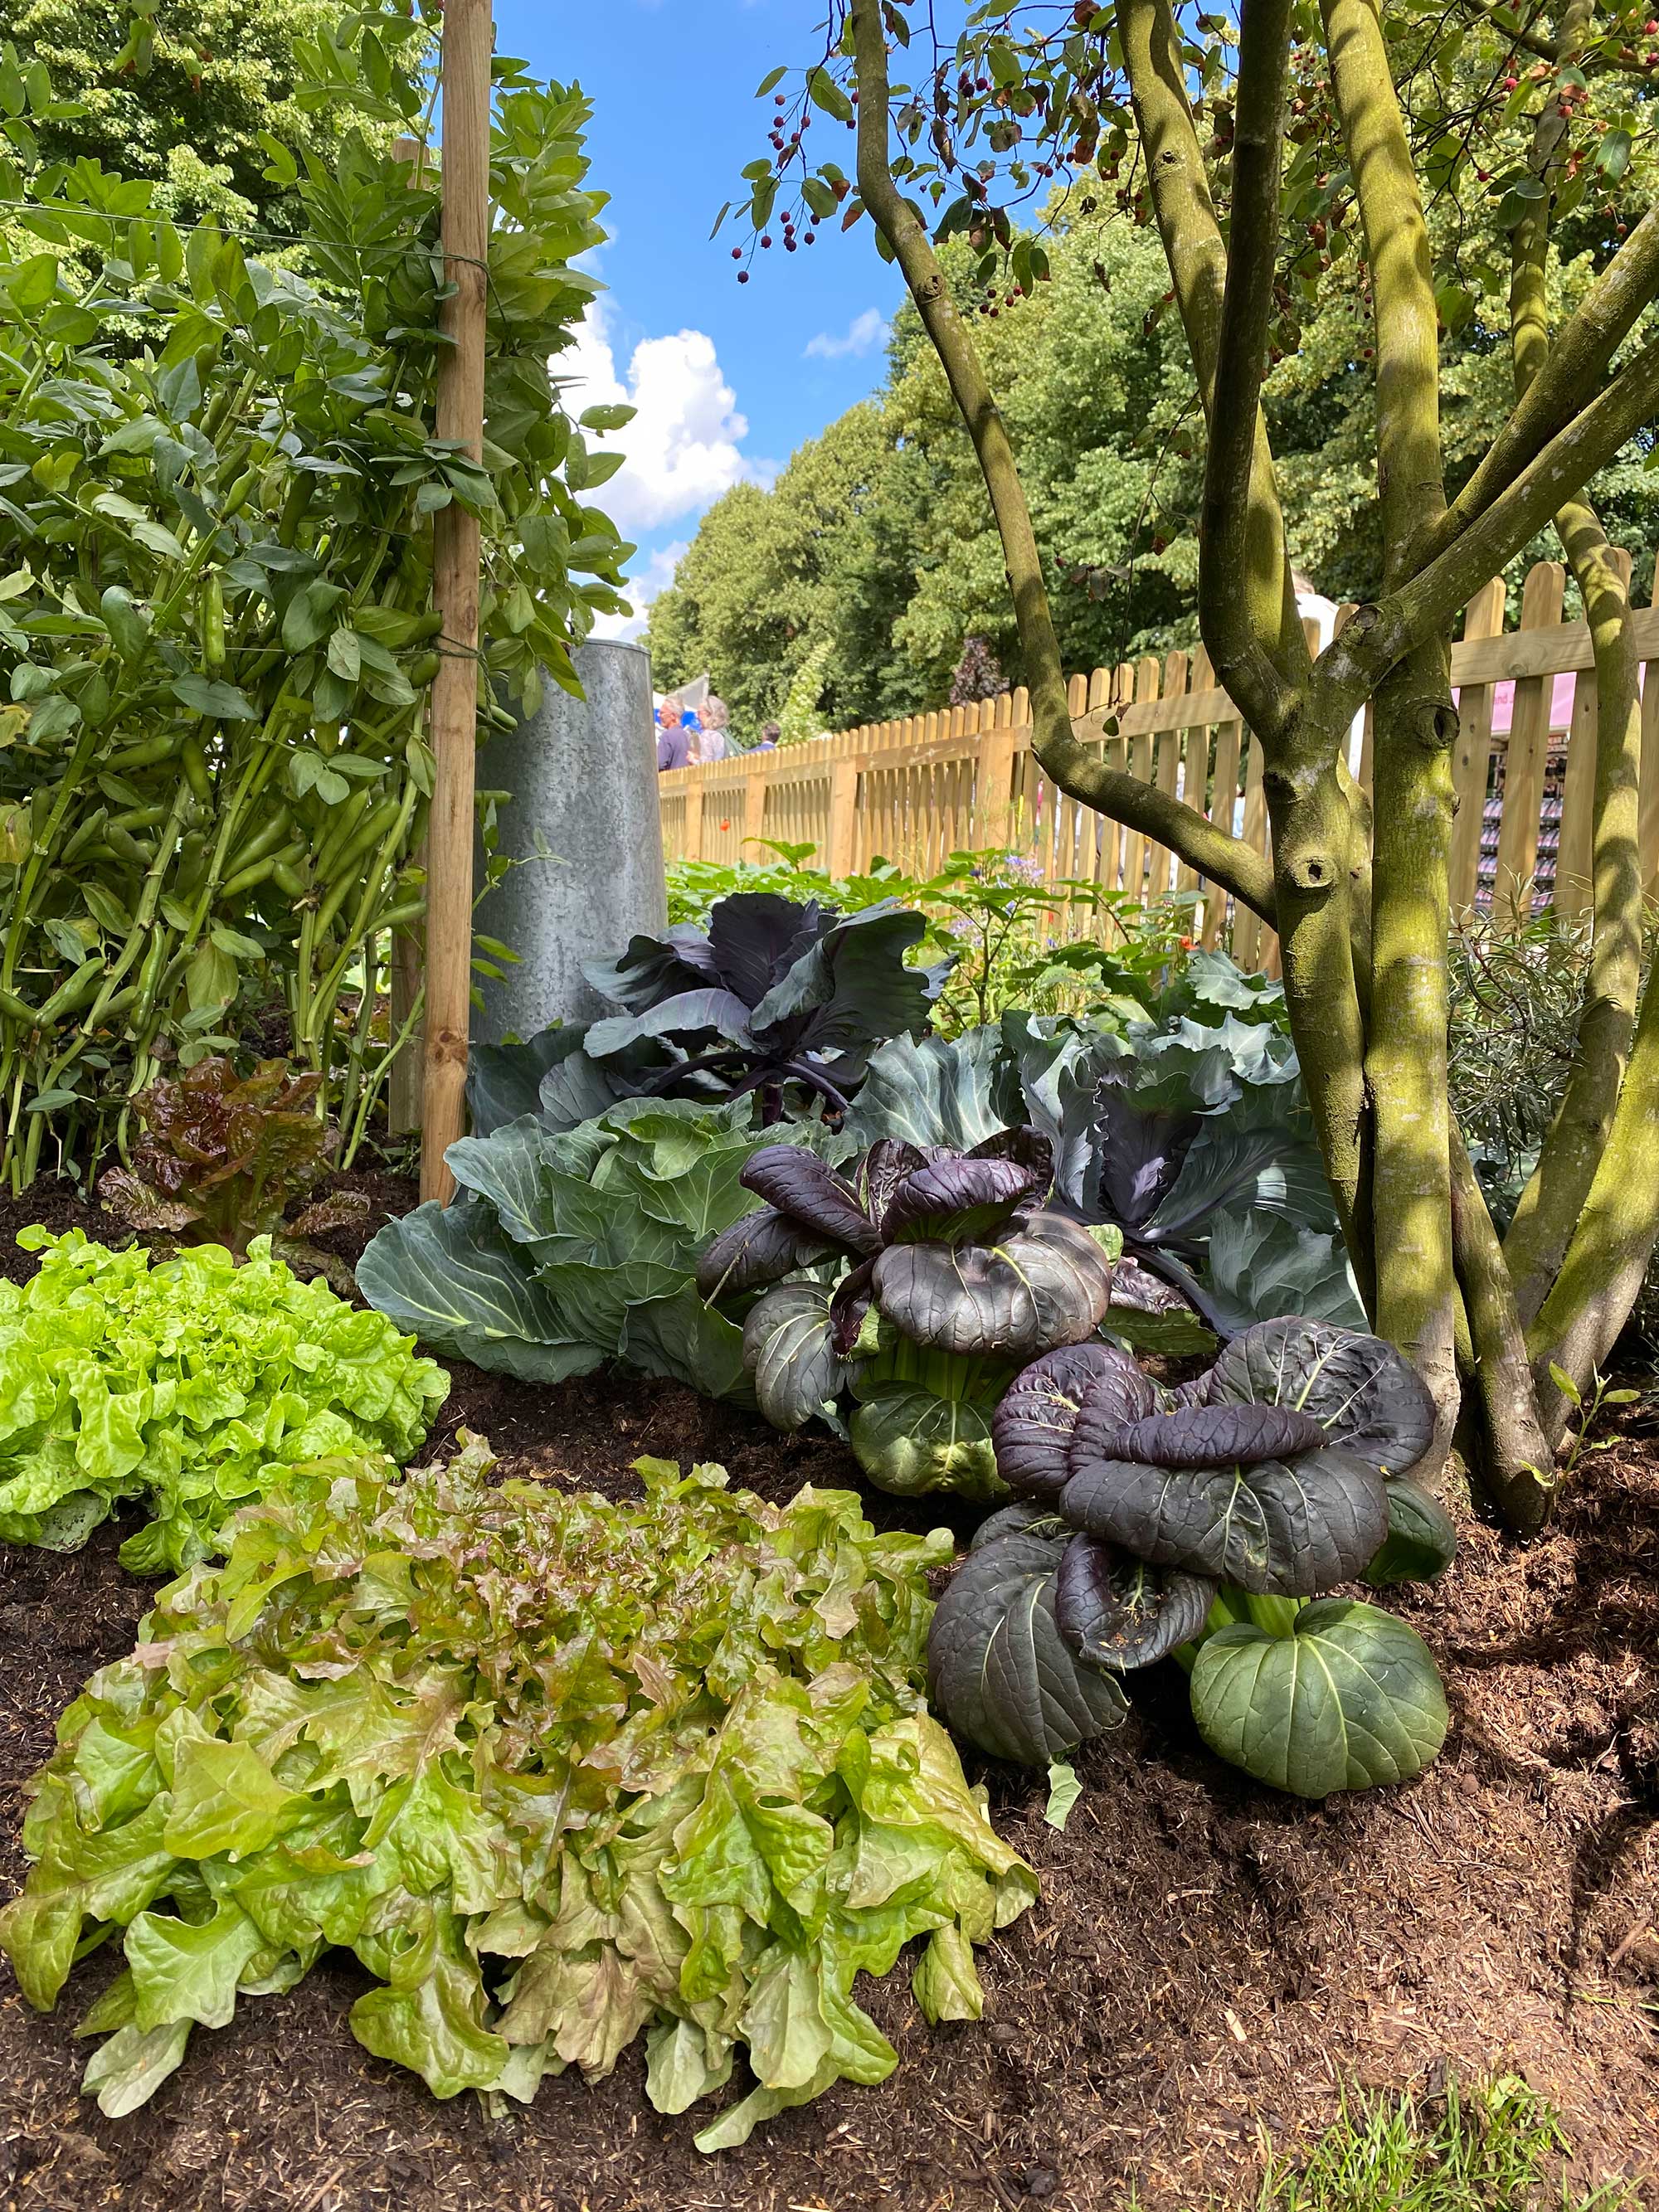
(1209, 1960)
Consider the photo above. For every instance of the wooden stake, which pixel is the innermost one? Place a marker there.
(468, 38)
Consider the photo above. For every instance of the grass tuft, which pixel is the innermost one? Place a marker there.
(1492, 2147)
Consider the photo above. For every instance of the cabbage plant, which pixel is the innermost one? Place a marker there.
(780, 999)
(1190, 1136)
(1208, 1523)
(951, 1271)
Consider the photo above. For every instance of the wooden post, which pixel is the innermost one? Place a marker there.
(468, 38)
(841, 857)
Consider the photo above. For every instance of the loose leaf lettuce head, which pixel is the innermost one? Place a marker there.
(557, 1771)
(192, 1384)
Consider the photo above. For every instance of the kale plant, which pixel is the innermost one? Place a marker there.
(1207, 1523)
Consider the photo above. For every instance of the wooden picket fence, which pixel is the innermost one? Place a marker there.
(965, 778)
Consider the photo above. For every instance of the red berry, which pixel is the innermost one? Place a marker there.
(737, 253)
(777, 100)
(743, 276)
(812, 236)
(788, 245)
(766, 241)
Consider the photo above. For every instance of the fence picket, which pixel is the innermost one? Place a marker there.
(1472, 754)
(917, 788)
(1523, 765)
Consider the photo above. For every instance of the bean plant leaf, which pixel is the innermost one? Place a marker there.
(1349, 1699)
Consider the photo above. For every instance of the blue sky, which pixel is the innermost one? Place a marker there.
(729, 379)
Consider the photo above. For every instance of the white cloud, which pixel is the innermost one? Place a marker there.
(863, 334)
(655, 576)
(682, 446)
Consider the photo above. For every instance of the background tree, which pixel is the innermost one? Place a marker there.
(880, 536)
(184, 94)
(1244, 158)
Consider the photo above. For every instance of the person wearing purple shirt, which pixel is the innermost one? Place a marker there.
(673, 740)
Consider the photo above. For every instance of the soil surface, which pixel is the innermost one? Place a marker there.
(1210, 1962)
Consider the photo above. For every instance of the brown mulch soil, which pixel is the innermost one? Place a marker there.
(1209, 1960)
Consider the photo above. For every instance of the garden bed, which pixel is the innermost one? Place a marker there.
(1209, 1960)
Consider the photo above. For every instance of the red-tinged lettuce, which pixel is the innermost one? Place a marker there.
(954, 1271)
(1201, 1523)
(226, 1158)
(557, 1770)
(193, 1384)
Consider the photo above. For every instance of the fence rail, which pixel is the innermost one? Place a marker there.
(915, 790)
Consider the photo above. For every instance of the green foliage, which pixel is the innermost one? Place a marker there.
(1095, 382)
(194, 1385)
(779, 999)
(577, 1245)
(1495, 2148)
(180, 96)
(215, 558)
(956, 1271)
(660, 1766)
(1016, 942)
(799, 718)
(226, 1158)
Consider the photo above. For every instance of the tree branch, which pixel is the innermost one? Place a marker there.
(1227, 587)
(1560, 1184)
(1567, 379)
(1413, 725)
(1517, 1473)
(1375, 637)
(1198, 261)
(1225, 860)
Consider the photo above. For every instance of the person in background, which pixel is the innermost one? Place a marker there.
(673, 739)
(715, 745)
(770, 733)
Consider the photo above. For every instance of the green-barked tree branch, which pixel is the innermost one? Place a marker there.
(1554, 1198)
(1215, 853)
(1413, 725)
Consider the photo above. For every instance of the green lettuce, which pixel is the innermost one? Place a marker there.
(194, 1384)
(557, 1771)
